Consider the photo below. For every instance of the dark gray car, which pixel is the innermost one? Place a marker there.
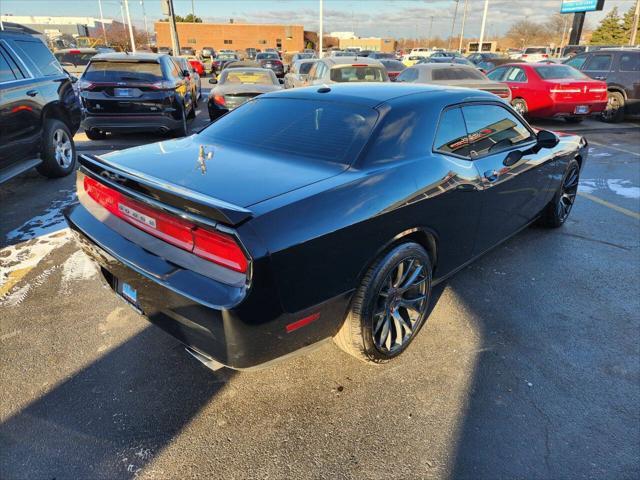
(453, 75)
(620, 68)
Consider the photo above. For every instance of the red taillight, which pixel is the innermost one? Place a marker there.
(75, 52)
(219, 100)
(544, 55)
(219, 248)
(213, 246)
(503, 94)
(524, 55)
(359, 65)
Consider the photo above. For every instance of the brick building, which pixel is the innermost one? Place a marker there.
(233, 36)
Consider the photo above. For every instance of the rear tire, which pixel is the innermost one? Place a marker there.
(95, 134)
(557, 211)
(181, 131)
(378, 305)
(614, 112)
(58, 150)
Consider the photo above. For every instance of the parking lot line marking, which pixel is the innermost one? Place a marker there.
(13, 278)
(614, 148)
(612, 206)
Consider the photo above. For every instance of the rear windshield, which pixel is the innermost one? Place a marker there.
(123, 71)
(267, 56)
(237, 76)
(305, 67)
(393, 65)
(357, 74)
(456, 73)
(557, 72)
(326, 131)
(74, 58)
(535, 50)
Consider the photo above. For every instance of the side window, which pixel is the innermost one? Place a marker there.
(497, 74)
(516, 74)
(312, 72)
(492, 128)
(6, 73)
(577, 61)
(408, 75)
(630, 62)
(40, 56)
(451, 137)
(320, 71)
(598, 63)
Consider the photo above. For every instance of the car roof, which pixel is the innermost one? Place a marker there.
(80, 50)
(374, 94)
(132, 57)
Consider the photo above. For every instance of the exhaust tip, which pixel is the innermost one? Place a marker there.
(204, 359)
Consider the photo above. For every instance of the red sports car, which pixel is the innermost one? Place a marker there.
(197, 65)
(551, 90)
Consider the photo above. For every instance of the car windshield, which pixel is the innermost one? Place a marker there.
(76, 59)
(267, 56)
(557, 72)
(101, 71)
(456, 73)
(319, 130)
(531, 50)
(238, 76)
(357, 73)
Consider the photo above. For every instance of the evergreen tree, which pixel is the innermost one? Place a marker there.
(627, 24)
(610, 30)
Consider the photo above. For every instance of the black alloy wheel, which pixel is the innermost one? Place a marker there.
(558, 210)
(402, 304)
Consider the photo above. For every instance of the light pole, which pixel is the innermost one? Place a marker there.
(484, 22)
(430, 29)
(146, 28)
(464, 20)
(321, 32)
(133, 41)
(634, 24)
(104, 29)
(453, 24)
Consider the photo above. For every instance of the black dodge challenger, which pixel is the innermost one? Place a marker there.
(318, 213)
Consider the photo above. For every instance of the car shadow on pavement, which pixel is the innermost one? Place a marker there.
(110, 419)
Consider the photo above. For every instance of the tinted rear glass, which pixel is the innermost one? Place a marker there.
(305, 67)
(325, 131)
(455, 73)
(123, 72)
(40, 55)
(74, 58)
(393, 65)
(557, 72)
(532, 50)
(267, 56)
(357, 74)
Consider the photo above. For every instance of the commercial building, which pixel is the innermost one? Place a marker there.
(371, 43)
(56, 26)
(233, 36)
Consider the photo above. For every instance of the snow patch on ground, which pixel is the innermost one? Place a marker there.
(77, 267)
(50, 221)
(621, 187)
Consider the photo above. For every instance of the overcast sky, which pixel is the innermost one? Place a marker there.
(397, 18)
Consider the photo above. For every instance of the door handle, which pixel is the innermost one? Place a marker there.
(32, 93)
(600, 77)
(491, 175)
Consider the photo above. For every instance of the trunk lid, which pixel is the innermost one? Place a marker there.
(233, 178)
(577, 90)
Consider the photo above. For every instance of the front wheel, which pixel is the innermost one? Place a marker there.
(558, 210)
(389, 307)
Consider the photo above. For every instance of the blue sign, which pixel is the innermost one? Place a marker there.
(574, 6)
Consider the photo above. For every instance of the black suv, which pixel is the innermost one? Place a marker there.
(39, 112)
(620, 68)
(135, 92)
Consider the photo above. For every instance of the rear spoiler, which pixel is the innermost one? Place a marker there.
(160, 191)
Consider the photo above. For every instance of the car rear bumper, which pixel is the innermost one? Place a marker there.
(568, 109)
(236, 326)
(128, 123)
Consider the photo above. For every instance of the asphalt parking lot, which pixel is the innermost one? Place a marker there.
(529, 366)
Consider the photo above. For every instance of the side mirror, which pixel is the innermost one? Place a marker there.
(73, 78)
(547, 139)
(185, 73)
(281, 80)
(213, 80)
